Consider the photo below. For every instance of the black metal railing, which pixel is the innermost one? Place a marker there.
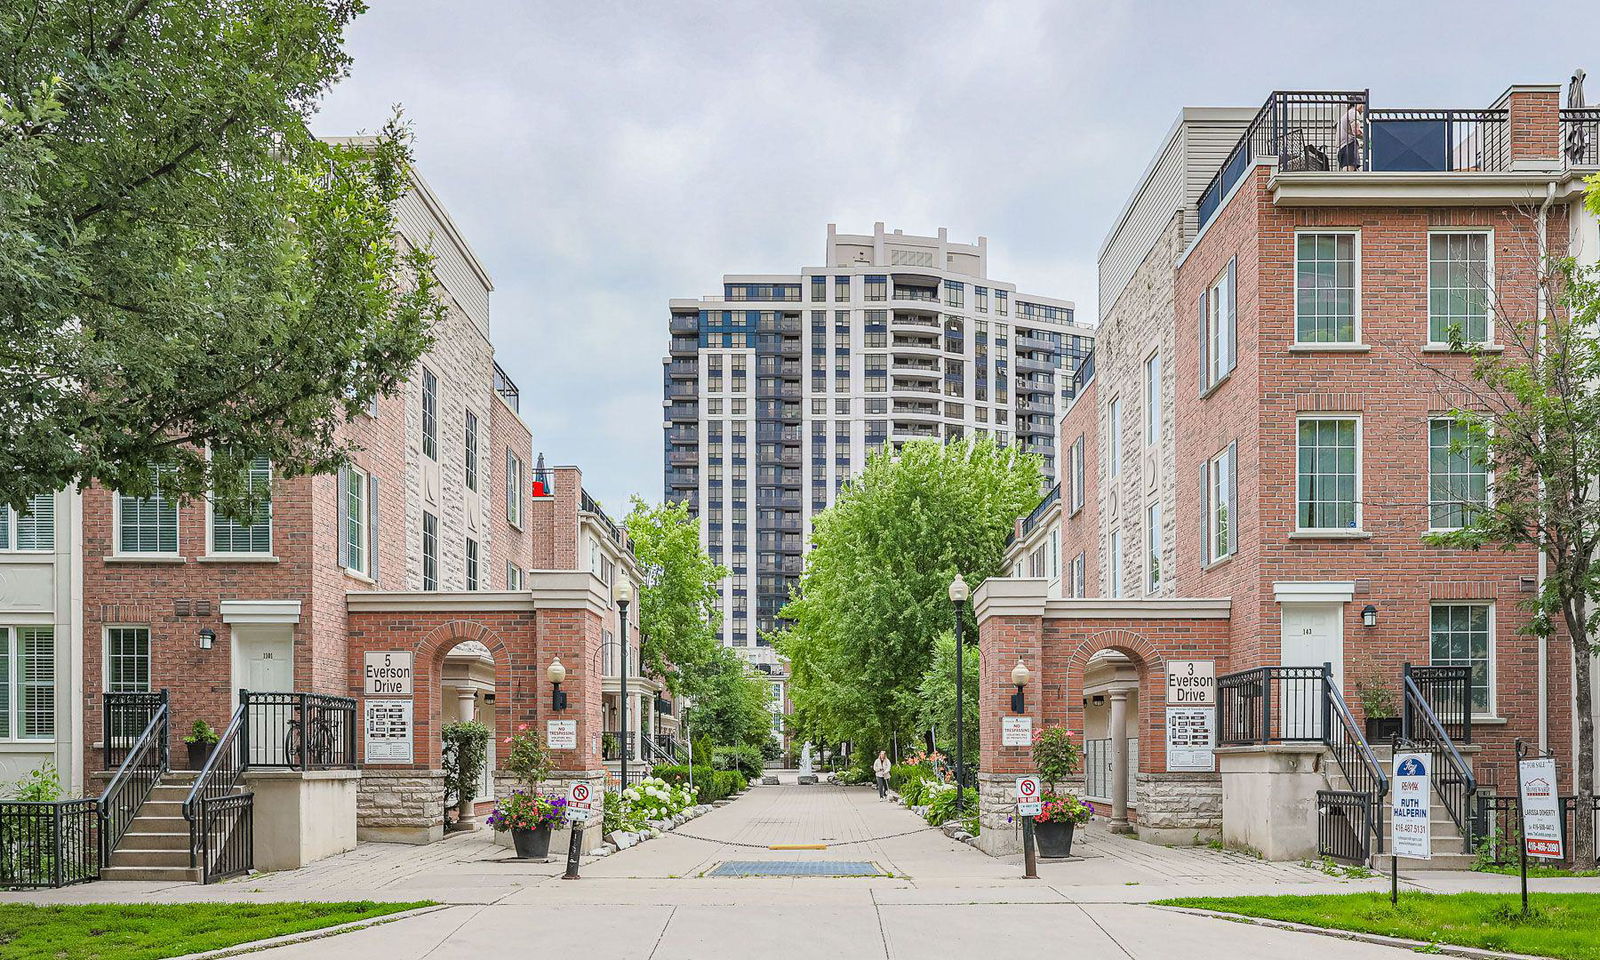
(1421, 726)
(1036, 516)
(1497, 822)
(143, 763)
(1580, 136)
(1299, 128)
(1272, 705)
(1438, 141)
(49, 844)
(124, 716)
(1448, 693)
(1346, 825)
(298, 731)
(225, 831)
(1348, 742)
(614, 742)
(217, 780)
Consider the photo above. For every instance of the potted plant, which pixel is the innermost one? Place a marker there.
(530, 818)
(1379, 708)
(1057, 758)
(200, 739)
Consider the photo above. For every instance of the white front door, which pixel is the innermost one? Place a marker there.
(1313, 634)
(263, 662)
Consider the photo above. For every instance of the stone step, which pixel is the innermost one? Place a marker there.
(150, 839)
(183, 874)
(148, 824)
(125, 856)
(1440, 861)
(162, 808)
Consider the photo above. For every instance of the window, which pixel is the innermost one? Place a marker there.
(1329, 466)
(1114, 437)
(1326, 287)
(1152, 548)
(469, 454)
(27, 683)
(1462, 636)
(358, 495)
(148, 524)
(1001, 302)
(819, 289)
(980, 298)
(954, 293)
(841, 289)
(1219, 499)
(128, 660)
(1218, 336)
(1075, 475)
(231, 536)
(513, 489)
(430, 551)
(877, 288)
(34, 529)
(1114, 564)
(1458, 474)
(1152, 400)
(1460, 276)
(472, 564)
(1080, 569)
(430, 414)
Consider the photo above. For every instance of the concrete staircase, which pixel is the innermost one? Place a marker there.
(156, 846)
(1449, 850)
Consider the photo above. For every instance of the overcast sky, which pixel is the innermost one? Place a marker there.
(602, 158)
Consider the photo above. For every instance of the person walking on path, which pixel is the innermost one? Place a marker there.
(880, 769)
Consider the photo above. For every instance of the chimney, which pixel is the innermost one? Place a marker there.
(1534, 125)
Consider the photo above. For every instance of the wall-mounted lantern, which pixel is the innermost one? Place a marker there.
(1369, 616)
(208, 637)
(1019, 679)
(557, 673)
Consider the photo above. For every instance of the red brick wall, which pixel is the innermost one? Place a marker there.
(1080, 532)
(1534, 117)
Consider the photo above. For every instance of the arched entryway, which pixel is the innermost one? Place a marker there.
(467, 692)
(1107, 672)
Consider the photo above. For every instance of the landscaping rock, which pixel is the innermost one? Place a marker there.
(769, 781)
(807, 780)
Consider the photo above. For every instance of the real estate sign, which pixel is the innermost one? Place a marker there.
(1541, 807)
(1411, 813)
(388, 731)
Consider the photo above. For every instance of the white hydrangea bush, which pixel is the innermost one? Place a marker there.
(655, 799)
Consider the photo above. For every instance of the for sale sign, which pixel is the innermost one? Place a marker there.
(1411, 815)
(1541, 808)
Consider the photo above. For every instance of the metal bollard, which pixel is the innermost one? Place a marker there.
(572, 851)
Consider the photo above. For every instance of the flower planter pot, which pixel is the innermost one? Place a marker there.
(199, 753)
(1382, 729)
(532, 844)
(1054, 839)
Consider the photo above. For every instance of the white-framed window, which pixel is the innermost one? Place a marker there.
(1328, 473)
(1460, 286)
(1462, 635)
(127, 659)
(430, 414)
(430, 551)
(356, 539)
(1327, 286)
(1152, 548)
(1080, 573)
(1055, 554)
(513, 576)
(469, 450)
(1218, 327)
(149, 525)
(1114, 437)
(1219, 500)
(27, 683)
(1114, 564)
(32, 530)
(472, 564)
(1458, 474)
(254, 537)
(513, 489)
(1075, 475)
(1152, 399)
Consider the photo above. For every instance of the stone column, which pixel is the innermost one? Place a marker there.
(1119, 761)
(467, 709)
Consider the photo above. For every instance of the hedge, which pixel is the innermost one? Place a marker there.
(710, 785)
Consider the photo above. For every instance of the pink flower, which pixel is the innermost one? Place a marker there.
(522, 726)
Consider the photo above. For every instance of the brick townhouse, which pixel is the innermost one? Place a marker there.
(1268, 429)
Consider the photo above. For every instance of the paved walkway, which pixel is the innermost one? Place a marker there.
(941, 898)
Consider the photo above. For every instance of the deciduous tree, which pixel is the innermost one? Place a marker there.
(680, 620)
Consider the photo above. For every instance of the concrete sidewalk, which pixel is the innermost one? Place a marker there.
(939, 898)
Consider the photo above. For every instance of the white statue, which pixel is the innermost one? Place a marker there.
(805, 760)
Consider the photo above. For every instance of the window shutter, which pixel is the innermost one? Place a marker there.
(372, 526)
(1205, 512)
(1233, 498)
(1233, 313)
(342, 534)
(1204, 340)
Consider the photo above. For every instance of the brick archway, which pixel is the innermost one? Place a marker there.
(1133, 645)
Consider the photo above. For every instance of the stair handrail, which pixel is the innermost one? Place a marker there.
(1353, 737)
(137, 769)
(1437, 741)
(221, 772)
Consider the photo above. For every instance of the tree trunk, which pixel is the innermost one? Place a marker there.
(1583, 839)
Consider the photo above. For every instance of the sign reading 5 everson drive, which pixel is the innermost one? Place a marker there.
(1411, 816)
(388, 673)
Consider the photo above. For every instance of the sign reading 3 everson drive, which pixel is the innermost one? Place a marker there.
(1411, 815)
(388, 673)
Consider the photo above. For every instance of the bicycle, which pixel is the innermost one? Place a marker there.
(319, 750)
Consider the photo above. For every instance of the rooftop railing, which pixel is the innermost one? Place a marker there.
(507, 389)
(1580, 136)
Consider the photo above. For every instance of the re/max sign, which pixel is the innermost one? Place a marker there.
(388, 673)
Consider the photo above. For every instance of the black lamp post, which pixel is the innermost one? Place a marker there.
(624, 594)
(958, 596)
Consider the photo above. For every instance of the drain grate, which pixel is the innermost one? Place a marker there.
(795, 868)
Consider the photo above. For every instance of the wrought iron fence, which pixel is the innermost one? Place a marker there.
(1351, 751)
(614, 742)
(143, 763)
(123, 718)
(226, 834)
(216, 781)
(1298, 127)
(1580, 136)
(300, 731)
(1497, 822)
(49, 844)
(635, 775)
(1346, 824)
(1422, 727)
(1271, 705)
(1448, 693)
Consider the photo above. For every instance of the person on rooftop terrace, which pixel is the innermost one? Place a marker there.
(1352, 131)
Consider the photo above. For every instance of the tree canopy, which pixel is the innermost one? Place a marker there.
(733, 707)
(187, 276)
(874, 594)
(679, 616)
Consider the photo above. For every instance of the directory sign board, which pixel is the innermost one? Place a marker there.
(387, 729)
(1541, 807)
(1411, 813)
(1191, 735)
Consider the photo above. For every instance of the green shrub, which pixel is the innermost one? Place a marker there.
(771, 749)
(915, 791)
(942, 806)
(854, 776)
(466, 750)
(746, 760)
(677, 773)
(902, 773)
(700, 752)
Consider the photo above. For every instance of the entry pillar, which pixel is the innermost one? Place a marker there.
(1119, 761)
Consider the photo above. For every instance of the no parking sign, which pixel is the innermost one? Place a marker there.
(1029, 803)
(581, 801)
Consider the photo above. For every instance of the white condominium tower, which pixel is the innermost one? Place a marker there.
(777, 389)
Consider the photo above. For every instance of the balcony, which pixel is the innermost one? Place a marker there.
(683, 368)
(683, 411)
(920, 294)
(507, 389)
(683, 458)
(684, 324)
(900, 319)
(1580, 136)
(916, 363)
(1027, 364)
(906, 386)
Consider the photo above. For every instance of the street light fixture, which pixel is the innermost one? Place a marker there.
(558, 675)
(1019, 679)
(958, 596)
(623, 593)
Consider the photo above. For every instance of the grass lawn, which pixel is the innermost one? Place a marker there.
(1559, 924)
(1536, 870)
(148, 931)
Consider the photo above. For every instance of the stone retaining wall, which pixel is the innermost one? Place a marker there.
(400, 806)
(1179, 808)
